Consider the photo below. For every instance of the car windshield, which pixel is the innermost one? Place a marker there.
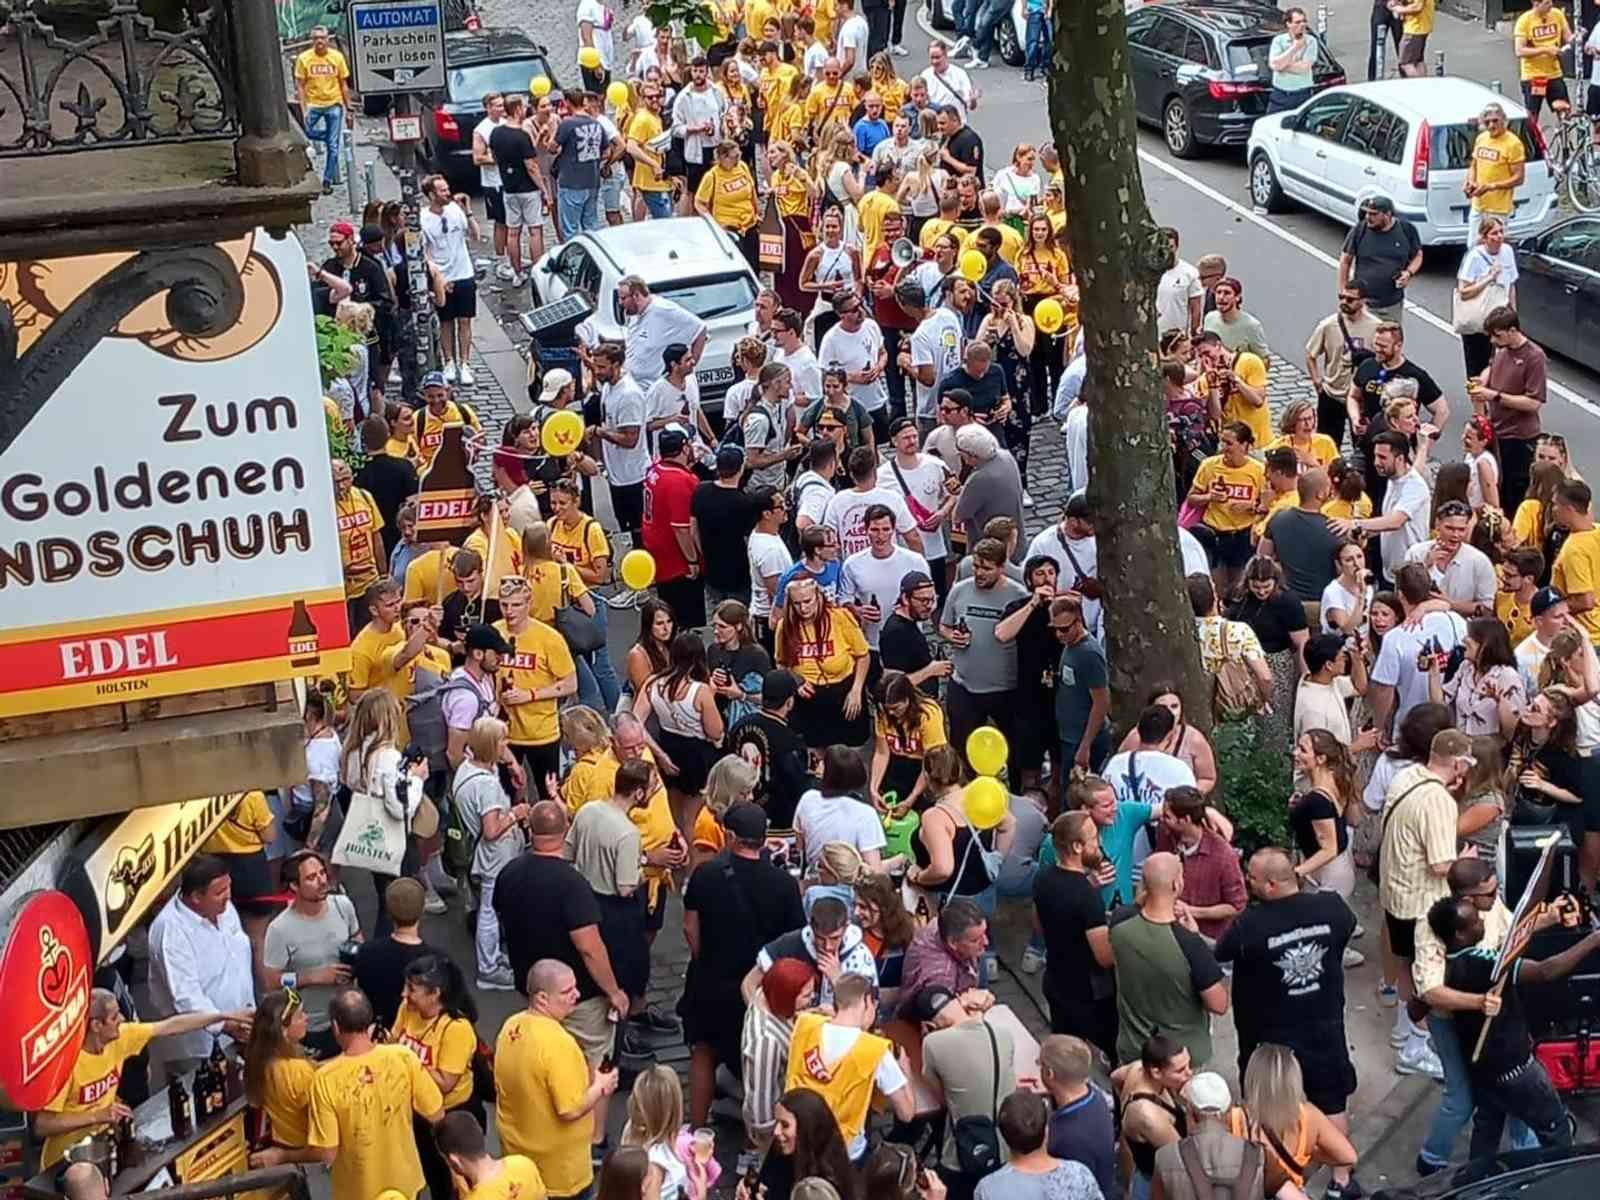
(711, 297)
(469, 84)
(1450, 148)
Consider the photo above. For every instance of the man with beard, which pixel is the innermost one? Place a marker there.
(1287, 950)
(1072, 917)
(902, 646)
(1027, 623)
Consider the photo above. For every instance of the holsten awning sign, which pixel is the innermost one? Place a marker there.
(166, 509)
(397, 47)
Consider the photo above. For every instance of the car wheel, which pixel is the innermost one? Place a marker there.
(1178, 129)
(1005, 40)
(1265, 191)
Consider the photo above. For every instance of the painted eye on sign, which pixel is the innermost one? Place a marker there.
(44, 977)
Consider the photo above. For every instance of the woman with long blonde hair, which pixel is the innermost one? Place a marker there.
(886, 81)
(1294, 1134)
(655, 1125)
(371, 763)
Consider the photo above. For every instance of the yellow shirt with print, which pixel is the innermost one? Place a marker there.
(823, 13)
(789, 125)
(404, 448)
(594, 777)
(423, 580)
(1549, 34)
(928, 733)
(582, 544)
(1495, 158)
(1244, 482)
(847, 1085)
(1236, 408)
(244, 829)
(873, 208)
(444, 1043)
(1528, 524)
(935, 228)
(794, 198)
(644, 126)
(1288, 500)
(1346, 510)
(731, 196)
(893, 94)
(545, 580)
(1419, 23)
(507, 556)
(539, 1073)
(1323, 448)
(1577, 571)
(371, 663)
(756, 15)
(775, 83)
(362, 1106)
(430, 429)
(286, 1099)
(539, 658)
(1035, 271)
(830, 660)
(92, 1086)
(517, 1179)
(321, 76)
(828, 102)
(1517, 619)
(360, 523)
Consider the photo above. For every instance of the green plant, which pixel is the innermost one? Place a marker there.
(1253, 786)
(698, 22)
(334, 346)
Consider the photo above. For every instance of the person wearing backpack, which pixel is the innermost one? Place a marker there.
(484, 819)
(974, 1062)
(1211, 1163)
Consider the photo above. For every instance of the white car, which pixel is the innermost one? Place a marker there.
(689, 260)
(1408, 139)
(1010, 35)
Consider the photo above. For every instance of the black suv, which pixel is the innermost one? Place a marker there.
(476, 63)
(1200, 70)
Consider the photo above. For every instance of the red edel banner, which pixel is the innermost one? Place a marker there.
(44, 977)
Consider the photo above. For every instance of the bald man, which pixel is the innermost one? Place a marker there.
(84, 1181)
(1167, 978)
(1287, 949)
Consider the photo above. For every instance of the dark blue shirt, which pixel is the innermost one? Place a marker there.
(1081, 1132)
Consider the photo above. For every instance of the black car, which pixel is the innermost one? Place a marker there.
(476, 63)
(1551, 1173)
(1200, 70)
(1558, 289)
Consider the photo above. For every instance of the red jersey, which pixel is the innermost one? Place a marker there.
(667, 490)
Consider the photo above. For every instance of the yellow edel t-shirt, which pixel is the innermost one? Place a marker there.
(93, 1085)
(241, 832)
(287, 1101)
(321, 74)
(827, 660)
(362, 1105)
(644, 126)
(359, 522)
(927, 732)
(540, 657)
(1547, 33)
(518, 1179)
(443, 1043)
(731, 196)
(1494, 160)
(1243, 483)
(846, 1084)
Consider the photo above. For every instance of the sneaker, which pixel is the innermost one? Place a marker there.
(898, 50)
(1027, 500)
(1351, 1190)
(449, 372)
(1388, 995)
(1032, 961)
(500, 981)
(327, 189)
(519, 279)
(963, 44)
(433, 903)
(1426, 1168)
(466, 376)
(1399, 1036)
(1359, 931)
(502, 270)
(1027, 77)
(977, 64)
(1353, 958)
(1418, 1058)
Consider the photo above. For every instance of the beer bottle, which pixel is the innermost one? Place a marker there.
(217, 1069)
(446, 492)
(129, 1152)
(303, 638)
(178, 1108)
(770, 237)
(200, 1089)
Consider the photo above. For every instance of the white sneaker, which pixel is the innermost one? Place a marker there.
(467, 377)
(502, 270)
(1359, 931)
(1027, 500)
(963, 44)
(519, 279)
(898, 50)
(433, 902)
(1418, 1058)
(1353, 958)
(449, 372)
(1400, 1036)
(500, 981)
(977, 64)
(1032, 961)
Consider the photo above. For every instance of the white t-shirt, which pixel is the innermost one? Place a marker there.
(1397, 660)
(488, 176)
(1077, 448)
(1410, 493)
(1050, 543)
(1336, 595)
(837, 1041)
(1146, 780)
(322, 766)
(953, 87)
(674, 1175)
(652, 331)
(1530, 654)
(1324, 706)
(936, 340)
(1475, 480)
(622, 405)
(811, 61)
(930, 278)
(768, 556)
(1179, 284)
(821, 819)
(445, 234)
(853, 34)
(640, 34)
(804, 374)
(867, 576)
(925, 481)
(811, 495)
(735, 399)
(856, 352)
(666, 399)
(1195, 561)
(596, 14)
(847, 515)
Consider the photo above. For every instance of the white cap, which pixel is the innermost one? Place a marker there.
(554, 380)
(1208, 1092)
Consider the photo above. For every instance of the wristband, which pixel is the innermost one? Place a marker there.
(289, 979)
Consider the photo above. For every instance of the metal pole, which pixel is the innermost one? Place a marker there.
(1438, 63)
(370, 171)
(1380, 52)
(1322, 21)
(352, 186)
(416, 364)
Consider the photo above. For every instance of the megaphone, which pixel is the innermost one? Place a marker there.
(903, 253)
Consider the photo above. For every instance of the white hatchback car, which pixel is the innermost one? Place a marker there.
(689, 260)
(1408, 139)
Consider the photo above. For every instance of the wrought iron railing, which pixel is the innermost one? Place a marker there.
(94, 74)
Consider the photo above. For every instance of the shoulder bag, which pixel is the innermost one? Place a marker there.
(1467, 316)
(977, 1139)
(581, 631)
(1383, 831)
(371, 836)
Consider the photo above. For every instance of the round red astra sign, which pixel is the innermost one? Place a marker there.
(45, 980)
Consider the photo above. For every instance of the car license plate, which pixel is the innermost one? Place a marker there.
(714, 375)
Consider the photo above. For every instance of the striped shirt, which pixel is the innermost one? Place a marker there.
(764, 1049)
(1419, 832)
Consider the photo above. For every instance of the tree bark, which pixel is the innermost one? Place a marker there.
(1118, 256)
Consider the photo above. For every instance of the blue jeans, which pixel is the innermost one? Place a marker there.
(657, 204)
(1039, 39)
(989, 16)
(605, 674)
(580, 210)
(325, 125)
(1455, 1107)
(964, 12)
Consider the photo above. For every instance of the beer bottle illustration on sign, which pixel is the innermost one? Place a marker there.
(303, 638)
(446, 492)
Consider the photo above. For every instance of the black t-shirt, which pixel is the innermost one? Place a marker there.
(726, 516)
(779, 757)
(1038, 652)
(380, 971)
(986, 392)
(745, 666)
(739, 913)
(1288, 971)
(1082, 1132)
(1068, 905)
(1273, 619)
(1316, 806)
(368, 280)
(902, 647)
(391, 482)
(1508, 1045)
(460, 614)
(1304, 546)
(540, 900)
(1370, 377)
(966, 146)
(512, 148)
(1379, 257)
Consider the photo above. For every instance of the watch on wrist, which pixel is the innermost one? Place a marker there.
(289, 979)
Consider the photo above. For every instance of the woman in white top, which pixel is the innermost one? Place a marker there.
(371, 764)
(306, 816)
(838, 811)
(1017, 184)
(685, 708)
(1344, 600)
(1489, 266)
(831, 269)
(1486, 693)
(655, 1125)
(1483, 480)
(923, 184)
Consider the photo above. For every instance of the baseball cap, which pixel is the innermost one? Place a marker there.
(434, 379)
(912, 580)
(928, 1003)
(1380, 203)
(1208, 1092)
(899, 423)
(672, 440)
(370, 234)
(778, 687)
(343, 228)
(554, 381)
(730, 458)
(1544, 600)
(746, 821)
(487, 637)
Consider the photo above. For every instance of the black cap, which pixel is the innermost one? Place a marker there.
(778, 688)
(1544, 600)
(912, 580)
(899, 423)
(746, 821)
(928, 1003)
(672, 440)
(1380, 203)
(487, 637)
(370, 234)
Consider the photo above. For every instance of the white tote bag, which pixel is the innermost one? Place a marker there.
(1467, 316)
(371, 838)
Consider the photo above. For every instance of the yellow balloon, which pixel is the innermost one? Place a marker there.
(539, 85)
(985, 803)
(638, 569)
(1049, 315)
(617, 93)
(562, 433)
(972, 265)
(987, 750)
(589, 57)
